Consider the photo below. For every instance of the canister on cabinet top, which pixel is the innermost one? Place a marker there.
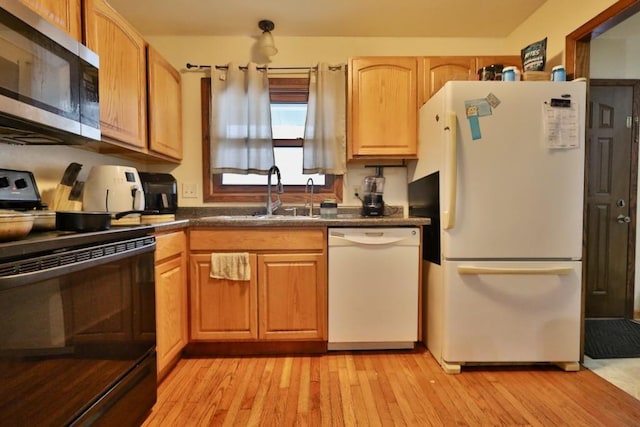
(558, 73)
(491, 72)
(510, 74)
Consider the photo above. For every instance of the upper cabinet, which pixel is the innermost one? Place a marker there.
(140, 92)
(123, 71)
(63, 13)
(165, 107)
(385, 94)
(382, 107)
(435, 71)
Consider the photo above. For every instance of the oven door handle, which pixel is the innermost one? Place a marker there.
(58, 265)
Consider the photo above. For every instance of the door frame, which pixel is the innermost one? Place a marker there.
(577, 61)
(633, 187)
(578, 43)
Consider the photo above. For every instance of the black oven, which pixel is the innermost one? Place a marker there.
(77, 328)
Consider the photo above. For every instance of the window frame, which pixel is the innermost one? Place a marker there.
(282, 89)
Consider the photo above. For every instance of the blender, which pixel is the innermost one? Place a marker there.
(373, 187)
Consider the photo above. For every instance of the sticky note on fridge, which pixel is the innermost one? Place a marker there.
(472, 111)
(493, 100)
(474, 124)
(478, 107)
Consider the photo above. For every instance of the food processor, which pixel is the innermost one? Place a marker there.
(373, 187)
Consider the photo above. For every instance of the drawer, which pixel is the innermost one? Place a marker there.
(170, 244)
(253, 239)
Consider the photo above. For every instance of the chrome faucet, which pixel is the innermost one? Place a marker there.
(306, 189)
(273, 205)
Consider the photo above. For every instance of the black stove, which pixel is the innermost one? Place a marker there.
(78, 314)
(19, 191)
(44, 242)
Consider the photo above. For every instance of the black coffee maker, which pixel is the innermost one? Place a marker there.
(372, 188)
(160, 192)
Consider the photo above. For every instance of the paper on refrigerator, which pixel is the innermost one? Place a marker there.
(561, 126)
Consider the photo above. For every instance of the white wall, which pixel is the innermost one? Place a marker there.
(615, 58)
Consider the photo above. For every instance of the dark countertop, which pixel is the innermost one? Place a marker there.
(171, 225)
(247, 217)
(347, 220)
(55, 240)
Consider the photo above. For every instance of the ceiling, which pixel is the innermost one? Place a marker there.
(332, 18)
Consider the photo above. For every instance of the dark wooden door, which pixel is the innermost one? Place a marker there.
(610, 202)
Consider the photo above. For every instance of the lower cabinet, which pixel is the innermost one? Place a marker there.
(291, 296)
(171, 299)
(285, 298)
(222, 309)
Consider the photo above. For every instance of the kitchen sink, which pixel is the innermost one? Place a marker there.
(290, 217)
(262, 217)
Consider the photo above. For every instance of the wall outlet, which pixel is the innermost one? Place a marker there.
(189, 191)
(355, 191)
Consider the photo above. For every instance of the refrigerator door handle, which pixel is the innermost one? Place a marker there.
(449, 214)
(470, 269)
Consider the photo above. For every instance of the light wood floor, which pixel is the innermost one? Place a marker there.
(383, 388)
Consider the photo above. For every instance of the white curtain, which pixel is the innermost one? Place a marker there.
(241, 140)
(324, 149)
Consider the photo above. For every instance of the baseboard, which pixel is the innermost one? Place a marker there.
(253, 348)
(636, 315)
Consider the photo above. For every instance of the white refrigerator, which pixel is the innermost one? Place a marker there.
(508, 162)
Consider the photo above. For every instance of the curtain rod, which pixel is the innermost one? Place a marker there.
(224, 67)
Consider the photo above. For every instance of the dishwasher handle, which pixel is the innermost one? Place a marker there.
(559, 271)
(372, 238)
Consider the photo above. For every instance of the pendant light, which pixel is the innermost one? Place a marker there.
(265, 42)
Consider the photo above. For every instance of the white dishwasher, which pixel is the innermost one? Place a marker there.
(373, 288)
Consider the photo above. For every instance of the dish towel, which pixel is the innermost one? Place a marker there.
(230, 265)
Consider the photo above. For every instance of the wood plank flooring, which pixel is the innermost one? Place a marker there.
(380, 389)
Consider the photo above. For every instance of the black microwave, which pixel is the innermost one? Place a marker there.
(48, 81)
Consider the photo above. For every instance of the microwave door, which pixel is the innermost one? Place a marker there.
(45, 80)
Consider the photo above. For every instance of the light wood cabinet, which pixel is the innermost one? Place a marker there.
(165, 106)
(435, 71)
(140, 91)
(123, 71)
(382, 107)
(65, 14)
(285, 298)
(222, 309)
(171, 299)
(291, 295)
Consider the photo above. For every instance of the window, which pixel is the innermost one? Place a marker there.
(288, 113)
